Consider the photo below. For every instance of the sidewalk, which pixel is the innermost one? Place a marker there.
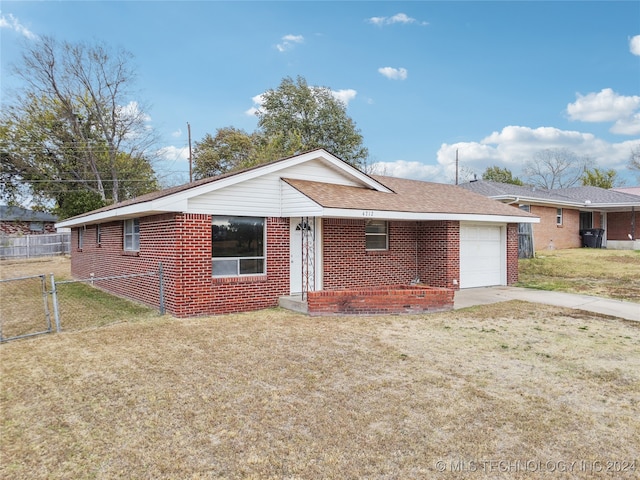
(606, 306)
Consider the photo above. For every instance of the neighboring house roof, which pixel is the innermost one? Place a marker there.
(628, 190)
(19, 214)
(574, 197)
(312, 184)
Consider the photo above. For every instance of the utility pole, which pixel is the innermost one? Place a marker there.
(190, 160)
(456, 166)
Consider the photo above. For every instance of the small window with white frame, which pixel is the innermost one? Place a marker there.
(559, 216)
(81, 237)
(132, 235)
(377, 235)
(98, 235)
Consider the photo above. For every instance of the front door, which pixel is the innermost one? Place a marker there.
(302, 255)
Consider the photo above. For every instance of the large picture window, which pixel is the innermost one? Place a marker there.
(237, 245)
(132, 235)
(376, 233)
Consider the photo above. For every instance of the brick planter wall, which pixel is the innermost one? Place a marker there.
(395, 299)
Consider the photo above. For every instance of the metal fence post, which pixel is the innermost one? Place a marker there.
(161, 286)
(54, 297)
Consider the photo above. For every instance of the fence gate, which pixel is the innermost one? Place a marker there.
(24, 309)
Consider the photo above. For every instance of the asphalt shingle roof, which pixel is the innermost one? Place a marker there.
(408, 196)
(579, 195)
(19, 214)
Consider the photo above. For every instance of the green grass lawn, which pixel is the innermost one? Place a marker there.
(599, 272)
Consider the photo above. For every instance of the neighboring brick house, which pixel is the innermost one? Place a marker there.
(21, 221)
(298, 226)
(565, 212)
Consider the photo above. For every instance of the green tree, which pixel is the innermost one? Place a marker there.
(501, 175)
(229, 150)
(296, 117)
(601, 178)
(75, 126)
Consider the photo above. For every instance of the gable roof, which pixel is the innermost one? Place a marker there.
(348, 192)
(19, 214)
(587, 197)
(425, 200)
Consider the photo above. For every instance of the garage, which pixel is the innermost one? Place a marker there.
(482, 255)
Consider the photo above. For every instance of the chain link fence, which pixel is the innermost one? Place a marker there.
(34, 306)
(24, 307)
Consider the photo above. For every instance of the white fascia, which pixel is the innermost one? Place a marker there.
(424, 216)
(537, 201)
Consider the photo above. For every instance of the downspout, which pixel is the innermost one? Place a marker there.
(517, 200)
(633, 222)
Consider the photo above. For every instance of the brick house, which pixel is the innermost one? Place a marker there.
(21, 221)
(565, 212)
(310, 226)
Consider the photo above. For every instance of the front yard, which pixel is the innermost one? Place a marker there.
(511, 390)
(275, 394)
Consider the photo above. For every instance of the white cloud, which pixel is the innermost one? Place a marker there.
(397, 18)
(509, 148)
(258, 100)
(634, 45)
(11, 22)
(177, 133)
(173, 153)
(513, 146)
(132, 110)
(608, 106)
(345, 95)
(405, 169)
(394, 73)
(289, 41)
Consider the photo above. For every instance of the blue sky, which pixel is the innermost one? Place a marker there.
(496, 81)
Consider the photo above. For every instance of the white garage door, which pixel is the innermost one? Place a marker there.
(482, 256)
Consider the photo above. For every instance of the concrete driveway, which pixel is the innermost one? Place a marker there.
(469, 297)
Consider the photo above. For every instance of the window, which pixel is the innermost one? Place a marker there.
(36, 226)
(237, 246)
(376, 235)
(586, 220)
(132, 234)
(80, 237)
(98, 235)
(559, 216)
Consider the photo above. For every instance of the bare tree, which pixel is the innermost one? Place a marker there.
(634, 159)
(555, 168)
(77, 107)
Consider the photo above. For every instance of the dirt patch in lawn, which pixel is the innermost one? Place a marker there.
(275, 394)
(599, 272)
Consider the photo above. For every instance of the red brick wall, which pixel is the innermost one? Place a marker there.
(347, 263)
(380, 300)
(512, 253)
(440, 254)
(547, 234)
(23, 228)
(109, 259)
(619, 225)
(182, 242)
